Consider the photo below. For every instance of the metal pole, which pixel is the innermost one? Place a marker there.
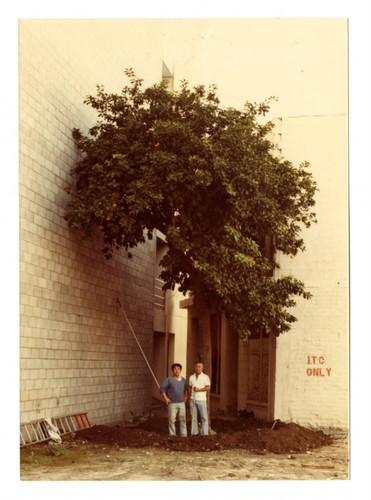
(193, 409)
(141, 350)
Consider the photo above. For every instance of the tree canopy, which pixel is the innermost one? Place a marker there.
(211, 180)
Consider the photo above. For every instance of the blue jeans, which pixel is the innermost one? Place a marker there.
(174, 410)
(201, 408)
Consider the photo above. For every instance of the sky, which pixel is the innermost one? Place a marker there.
(302, 62)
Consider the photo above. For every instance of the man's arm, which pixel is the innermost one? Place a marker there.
(186, 389)
(167, 400)
(206, 388)
(207, 384)
(203, 389)
(190, 389)
(163, 388)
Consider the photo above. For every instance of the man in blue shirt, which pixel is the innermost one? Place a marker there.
(175, 391)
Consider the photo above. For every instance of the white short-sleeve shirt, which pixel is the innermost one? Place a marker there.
(200, 382)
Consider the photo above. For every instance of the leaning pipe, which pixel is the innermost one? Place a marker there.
(137, 341)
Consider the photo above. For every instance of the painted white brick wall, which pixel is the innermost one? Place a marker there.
(315, 391)
(176, 319)
(76, 351)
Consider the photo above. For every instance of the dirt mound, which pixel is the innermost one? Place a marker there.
(239, 433)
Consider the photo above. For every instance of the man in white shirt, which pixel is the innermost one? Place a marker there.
(199, 385)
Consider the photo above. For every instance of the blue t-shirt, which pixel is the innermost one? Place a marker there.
(174, 388)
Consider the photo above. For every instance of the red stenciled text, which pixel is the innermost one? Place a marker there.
(317, 371)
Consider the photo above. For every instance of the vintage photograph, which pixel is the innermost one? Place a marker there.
(183, 249)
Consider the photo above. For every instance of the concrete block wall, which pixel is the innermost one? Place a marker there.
(176, 323)
(312, 364)
(77, 353)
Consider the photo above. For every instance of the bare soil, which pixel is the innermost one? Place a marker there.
(238, 449)
(233, 433)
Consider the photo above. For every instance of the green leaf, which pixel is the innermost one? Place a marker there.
(210, 179)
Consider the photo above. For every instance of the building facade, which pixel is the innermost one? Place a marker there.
(77, 352)
(303, 375)
(169, 326)
(312, 365)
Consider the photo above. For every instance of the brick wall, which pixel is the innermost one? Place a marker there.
(76, 351)
(315, 390)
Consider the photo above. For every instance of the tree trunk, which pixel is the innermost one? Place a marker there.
(204, 344)
(205, 352)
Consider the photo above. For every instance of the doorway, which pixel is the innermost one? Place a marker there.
(261, 374)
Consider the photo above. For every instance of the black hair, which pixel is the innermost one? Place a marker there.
(174, 365)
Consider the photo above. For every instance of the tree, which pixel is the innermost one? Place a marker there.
(211, 180)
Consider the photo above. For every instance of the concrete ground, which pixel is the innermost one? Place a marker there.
(96, 462)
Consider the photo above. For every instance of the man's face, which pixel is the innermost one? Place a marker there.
(198, 368)
(176, 371)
